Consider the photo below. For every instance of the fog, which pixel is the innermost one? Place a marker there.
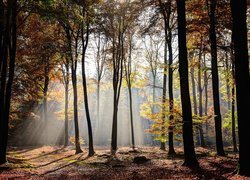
(35, 131)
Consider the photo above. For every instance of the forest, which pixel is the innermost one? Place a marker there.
(124, 89)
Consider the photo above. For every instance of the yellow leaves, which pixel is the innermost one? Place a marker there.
(72, 140)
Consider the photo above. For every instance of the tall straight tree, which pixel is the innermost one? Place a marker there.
(189, 152)
(242, 82)
(85, 39)
(73, 65)
(8, 37)
(211, 5)
(167, 10)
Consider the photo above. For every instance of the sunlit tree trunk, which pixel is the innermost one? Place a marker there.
(200, 90)
(66, 113)
(235, 149)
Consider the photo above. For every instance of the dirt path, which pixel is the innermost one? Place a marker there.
(61, 163)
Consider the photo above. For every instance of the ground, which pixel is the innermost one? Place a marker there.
(49, 162)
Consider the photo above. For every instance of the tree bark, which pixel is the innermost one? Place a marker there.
(200, 127)
(85, 41)
(215, 79)
(6, 87)
(189, 152)
(239, 9)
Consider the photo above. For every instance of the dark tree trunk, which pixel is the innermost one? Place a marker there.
(118, 57)
(131, 116)
(6, 87)
(85, 40)
(164, 98)
(171, 150)
(45, 99)
(166, 9)
(128, 73)
(242, 82)
(73, 64)
(189, 152)
(215, 79)
(75, 104)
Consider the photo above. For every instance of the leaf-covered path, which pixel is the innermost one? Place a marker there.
(49, 162)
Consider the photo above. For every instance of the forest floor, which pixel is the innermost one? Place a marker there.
(49, 162)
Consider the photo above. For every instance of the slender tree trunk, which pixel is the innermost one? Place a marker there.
(85, 92)
(66, 115)
(189, 152)
(171, 150)
(235, 149)
(195, 104)
(128, 72)
(131, 116)
(164, 98)
(239, 9)
(73, 63)
(200, 127)
(227, 82)
(114, 127)
(74, 83)
(215, 80)
(206, 97)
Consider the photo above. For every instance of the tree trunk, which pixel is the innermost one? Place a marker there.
(206, 97)
(189, 152)
(235, 149)
(5, 101)
(131, 116)
(164, 98)
(171, 150)
(66, 113)
(242, 82)
(200, 127)
(195, 105)
(73, 62)
(215, 80)
(74, 83)
(85, 91)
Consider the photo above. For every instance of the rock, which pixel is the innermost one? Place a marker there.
(140, 160)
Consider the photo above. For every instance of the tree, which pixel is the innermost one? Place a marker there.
(129, 77)
(211, 5)
(189, 153)
(242, 82)
(70, 37)
(8, 37)
(85, 31)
